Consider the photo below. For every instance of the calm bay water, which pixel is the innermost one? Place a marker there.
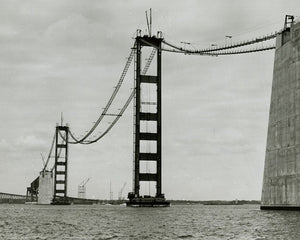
(119, 222)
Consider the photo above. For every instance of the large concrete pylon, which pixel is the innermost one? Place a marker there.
(281, 184)
(45, 194)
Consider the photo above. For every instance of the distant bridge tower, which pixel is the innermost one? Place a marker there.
(61, 166)
(142, 117)
(281, 185)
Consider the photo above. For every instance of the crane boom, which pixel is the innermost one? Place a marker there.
(84, 183)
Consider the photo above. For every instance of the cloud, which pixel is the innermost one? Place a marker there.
(4, 144)
(24, 144)
(31, 142)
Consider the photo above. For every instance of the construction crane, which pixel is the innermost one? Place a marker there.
(121, 191)
(82, 189)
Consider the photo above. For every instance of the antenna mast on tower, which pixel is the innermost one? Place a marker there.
(149, 21)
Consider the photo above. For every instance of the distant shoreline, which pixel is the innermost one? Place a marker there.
(7, 198)
(214, 202)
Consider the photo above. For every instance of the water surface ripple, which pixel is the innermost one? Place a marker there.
(243, 222)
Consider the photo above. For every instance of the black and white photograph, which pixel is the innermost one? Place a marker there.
(134, 119)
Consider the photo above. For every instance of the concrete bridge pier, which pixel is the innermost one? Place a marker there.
(281, 184)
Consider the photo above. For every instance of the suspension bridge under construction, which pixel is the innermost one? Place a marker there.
(281, 185)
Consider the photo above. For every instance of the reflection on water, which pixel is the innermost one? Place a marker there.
(119, 222)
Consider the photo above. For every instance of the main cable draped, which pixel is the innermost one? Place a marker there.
(123, 109)
(114, 94)
(58, 156)
(216, 51)
(50, 152)
(120, 113)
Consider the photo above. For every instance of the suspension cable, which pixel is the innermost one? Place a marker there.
(118, 116)
(114, 121)
(149, 61)
(246, 51)
(176, 49)
(57, 157)
(50, 152)
(127, 65)
(214, 50)
(60, 149)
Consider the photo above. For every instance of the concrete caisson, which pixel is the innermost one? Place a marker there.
(281, 184)
(46, 189)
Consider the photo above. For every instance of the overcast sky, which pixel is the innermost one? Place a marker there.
(66, 56)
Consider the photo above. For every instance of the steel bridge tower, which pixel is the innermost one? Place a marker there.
(135, 199)
(61, 166)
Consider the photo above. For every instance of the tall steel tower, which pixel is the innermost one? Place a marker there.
(143, 116)
(61, 166)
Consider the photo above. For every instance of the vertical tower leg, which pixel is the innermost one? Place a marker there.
(147, 137)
